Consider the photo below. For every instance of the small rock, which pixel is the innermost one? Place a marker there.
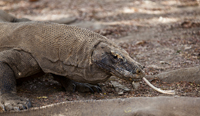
(136, 85)
(155, 67)
(163, 62)
(187, 47)
(119, 87)
(120, 93)
(141, 42)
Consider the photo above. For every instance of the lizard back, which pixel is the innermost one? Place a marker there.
(55, 47)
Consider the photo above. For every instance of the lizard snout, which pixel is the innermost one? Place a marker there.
(136, 76)
(139, 74)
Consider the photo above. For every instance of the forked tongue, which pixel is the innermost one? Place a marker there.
(171, 92)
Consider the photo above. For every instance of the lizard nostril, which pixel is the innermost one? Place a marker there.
(138, 71)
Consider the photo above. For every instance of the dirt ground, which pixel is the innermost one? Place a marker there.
(162, 35)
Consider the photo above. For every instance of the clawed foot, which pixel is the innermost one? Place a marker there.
(85, 87)
(72, 86)
(10, 102)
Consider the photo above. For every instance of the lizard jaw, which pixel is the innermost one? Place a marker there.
(117, 62)
(127, 75)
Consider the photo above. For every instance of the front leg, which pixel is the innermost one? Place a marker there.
(72, 86)
(8, 98)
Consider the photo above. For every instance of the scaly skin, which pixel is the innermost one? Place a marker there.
(117, 62)
(76, 57)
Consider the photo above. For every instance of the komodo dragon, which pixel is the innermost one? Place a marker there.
(67, 52)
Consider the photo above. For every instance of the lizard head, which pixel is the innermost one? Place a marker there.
(117, 62)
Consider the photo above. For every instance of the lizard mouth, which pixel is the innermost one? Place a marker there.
(126, 75)
(122, 73)
(121, 67)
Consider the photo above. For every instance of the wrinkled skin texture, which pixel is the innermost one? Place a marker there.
(76, 57)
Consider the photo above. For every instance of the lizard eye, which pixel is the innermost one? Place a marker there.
(138, 71)
(116, 55)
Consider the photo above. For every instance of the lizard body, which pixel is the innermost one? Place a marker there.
(58, 49)
(68, 52)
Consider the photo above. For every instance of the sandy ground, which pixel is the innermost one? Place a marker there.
(161, 35)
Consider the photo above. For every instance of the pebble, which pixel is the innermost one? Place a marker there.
(136, 85)
(119, 87)
(163, 62)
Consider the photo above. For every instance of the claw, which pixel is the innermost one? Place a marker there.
(76, 83)
(98, 89)
(74, 87)
(91, 90)
(89, 86)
